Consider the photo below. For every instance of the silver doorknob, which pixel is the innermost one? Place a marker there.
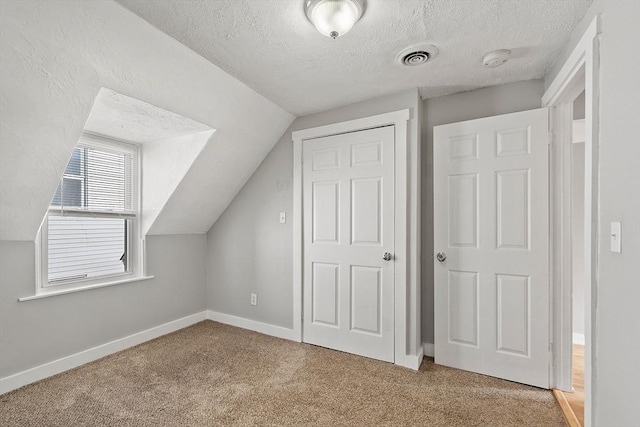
(387, 256)
(441, 256)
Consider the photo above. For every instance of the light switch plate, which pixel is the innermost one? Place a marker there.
(283, 217)
(616, 237)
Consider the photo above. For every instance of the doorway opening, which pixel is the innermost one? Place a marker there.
(573, 260)
(573, 401)
(578, 256)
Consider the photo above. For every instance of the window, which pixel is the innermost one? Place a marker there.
(90, 233)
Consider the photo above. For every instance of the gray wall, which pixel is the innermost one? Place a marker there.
(578, 107)
(476, 104)
(39, 331)
(616, 317)
(246, 251)
(249, 251)
(577, 236)
(248, 233)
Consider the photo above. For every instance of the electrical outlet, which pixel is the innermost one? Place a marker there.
(254, 299)
(283, 217)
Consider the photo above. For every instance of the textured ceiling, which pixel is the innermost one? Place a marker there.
(57, 56)
(122, 117)
(272, 47)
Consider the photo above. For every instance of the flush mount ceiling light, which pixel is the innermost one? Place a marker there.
(334, 18)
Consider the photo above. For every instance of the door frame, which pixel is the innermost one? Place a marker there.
(406, 288)
(579, 72)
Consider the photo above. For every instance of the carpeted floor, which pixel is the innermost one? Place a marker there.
(213, 374)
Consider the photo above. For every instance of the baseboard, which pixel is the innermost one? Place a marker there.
(429, 349)
(578, 339)
(253, 325)
(409, 361)
(41, 372)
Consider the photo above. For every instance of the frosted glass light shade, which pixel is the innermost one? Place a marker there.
(334, 18)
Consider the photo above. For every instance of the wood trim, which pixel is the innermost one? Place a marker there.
(581, 68)
(571, 68)
(560, 253)
(297, 238)
(63, 364)
(401, 279)
(125, 278)
(252, 325)
(403, 324)
(356, 125)
(429, 349)
(568, 413)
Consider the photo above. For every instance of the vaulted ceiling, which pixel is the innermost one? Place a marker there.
(242, 67)
(56, 59)
(272, 47)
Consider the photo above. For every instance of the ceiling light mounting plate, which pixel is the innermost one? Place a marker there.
(334, 18)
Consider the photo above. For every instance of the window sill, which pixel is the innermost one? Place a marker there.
(83, 288)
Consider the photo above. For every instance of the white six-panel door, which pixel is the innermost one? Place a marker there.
(491, 224)
(348, 226)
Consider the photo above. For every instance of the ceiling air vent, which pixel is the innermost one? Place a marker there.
(417, 55)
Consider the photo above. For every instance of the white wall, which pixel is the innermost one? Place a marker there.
(56, 55)
(476, 104)
(164, 165)
(616, 377)
(39, 331)
(249, 251)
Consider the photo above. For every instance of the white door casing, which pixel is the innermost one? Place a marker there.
(491, 219)
(407, 348)
(348, 221)
(580, 71)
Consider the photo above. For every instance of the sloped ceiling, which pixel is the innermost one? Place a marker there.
(168, 142)
(165, 163)
(55, 58)
(128, 119)
(271, 46)
(57, 55)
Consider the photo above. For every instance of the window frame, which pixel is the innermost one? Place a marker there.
(134, 244)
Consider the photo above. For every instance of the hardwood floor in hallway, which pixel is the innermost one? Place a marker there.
(572, 404)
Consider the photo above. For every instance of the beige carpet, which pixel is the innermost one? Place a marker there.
(213, 374)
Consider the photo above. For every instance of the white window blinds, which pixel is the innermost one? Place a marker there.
(97, 180)
(84, 248)
(91, 214)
